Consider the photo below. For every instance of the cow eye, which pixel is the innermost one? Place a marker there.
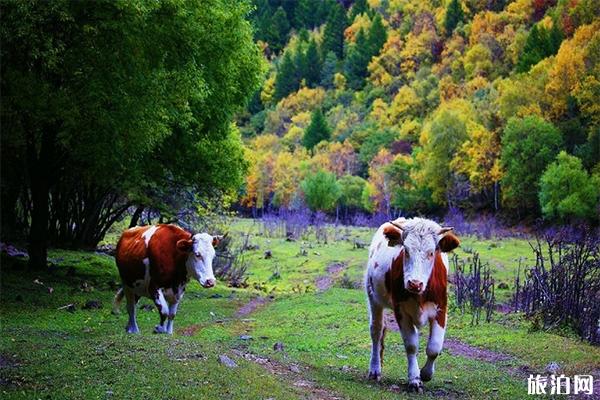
(429, 254)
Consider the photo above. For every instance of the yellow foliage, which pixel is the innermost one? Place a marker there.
(293, 137)
(361, 21)
(448, 89)
(410, 130)
(478, 61)
(570, 67)
(478, 157)
(405, 105)
(379, 113)
(268, 90)
(339, 81)
(384, 67)
(286, 178)
(379, 190)
(587, 93)
(301, 119)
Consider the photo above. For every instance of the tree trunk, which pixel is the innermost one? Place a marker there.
(136, 216)
(39, 168)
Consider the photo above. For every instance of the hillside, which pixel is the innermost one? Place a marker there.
(416, 106)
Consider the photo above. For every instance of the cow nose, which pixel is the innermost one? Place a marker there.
(415, 286)
(209, 283)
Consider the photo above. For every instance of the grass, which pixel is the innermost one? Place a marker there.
(47, 351)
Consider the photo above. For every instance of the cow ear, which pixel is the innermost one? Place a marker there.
(185, 245)
(448, 241)
(393, 235)
(218, 238)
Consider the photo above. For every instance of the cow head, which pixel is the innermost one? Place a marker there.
(420, 239)
(201, 253)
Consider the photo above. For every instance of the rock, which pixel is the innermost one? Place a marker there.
(503, 285)
(278, 346)
(268, 254)
(553, 368)
(395, 388)
(215, 296)
(226, 361)
(294, 369)
(92, 305)
(346, 368)
(246, 337)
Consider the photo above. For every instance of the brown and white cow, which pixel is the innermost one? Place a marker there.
(407, 271)
(157, 262)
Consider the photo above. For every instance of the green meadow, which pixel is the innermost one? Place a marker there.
(303, 332)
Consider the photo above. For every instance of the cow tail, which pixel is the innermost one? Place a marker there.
(117, 301)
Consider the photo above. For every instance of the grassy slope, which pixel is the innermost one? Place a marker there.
(85, 354)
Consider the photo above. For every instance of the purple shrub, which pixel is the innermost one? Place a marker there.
(474, 287)
(563, 287)
(296, 222)
(319, 223)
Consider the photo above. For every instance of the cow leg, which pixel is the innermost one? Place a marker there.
(163, 310)
(377, 328)
(410, 336)
(171, 316)
(132, 300)
(434, 348)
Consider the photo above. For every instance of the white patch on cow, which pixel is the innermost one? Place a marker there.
(199, 262)
(161, 302)
(148, 234)
(428, 311)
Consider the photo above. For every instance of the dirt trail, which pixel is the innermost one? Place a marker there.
(292, 373)
(462, 349)
(252, 306)
(333, 271)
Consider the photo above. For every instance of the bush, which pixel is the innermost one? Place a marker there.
(567, 191)
(563, 287)
(321, 191)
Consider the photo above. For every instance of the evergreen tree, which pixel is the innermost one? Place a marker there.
(357, 61)
(313, 64)
(317, 131)
(330, 65)
(300, 64)
(280, 29)
(305, 16)
(359, 7)
(377, 35)
(540, 44)
(286, 81)
(454, 15)
(333, 37)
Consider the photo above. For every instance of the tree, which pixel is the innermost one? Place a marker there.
(359, 7)
(333, 37)
(352, 188)
(321, 191)
(286, 81)
(454, 15)
(357, 61)
(103, 102)
(313, 64)
(281, 27)
(528, 145)
(567, 191)
(540, 44)
(317, 131)
(329, 69)
(377, 35)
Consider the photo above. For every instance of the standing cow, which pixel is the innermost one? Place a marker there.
(407, 271)
(157, 262)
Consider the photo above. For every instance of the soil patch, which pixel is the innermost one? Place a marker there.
(333, 271)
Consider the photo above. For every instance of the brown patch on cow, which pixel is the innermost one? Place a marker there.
(436, 292)
(382, 344)
(167, 262)
(393, 235)
(448, 242)
(130, 253)
(437, 289)
(375, 265)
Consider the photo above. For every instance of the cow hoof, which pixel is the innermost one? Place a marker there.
(159, 329)
(133, 329)
(374, 376)
(426, 374)
(416, 385)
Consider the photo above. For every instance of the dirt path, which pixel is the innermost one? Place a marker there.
(333, 271)
(252, 306)
(462, 349)
(292, 373)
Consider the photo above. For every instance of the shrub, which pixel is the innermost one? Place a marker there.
(474, 288)
(563, 287)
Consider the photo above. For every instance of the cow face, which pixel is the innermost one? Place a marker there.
(420, 239)
(201, 249)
